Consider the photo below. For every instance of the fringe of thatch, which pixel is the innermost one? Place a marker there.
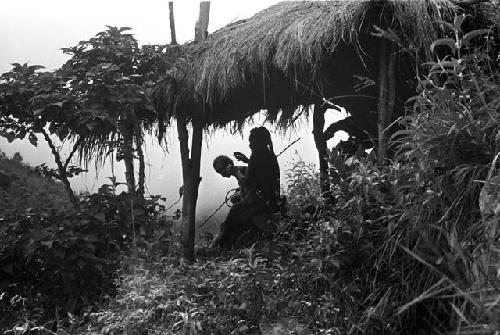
(291, 37)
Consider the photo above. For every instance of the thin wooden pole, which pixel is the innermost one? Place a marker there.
(391, 83)
(382, 99)
(173, 39)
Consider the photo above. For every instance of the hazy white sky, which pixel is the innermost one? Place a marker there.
(34, 30)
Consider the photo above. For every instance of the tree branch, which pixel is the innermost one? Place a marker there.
(62, 171)
(75, 148)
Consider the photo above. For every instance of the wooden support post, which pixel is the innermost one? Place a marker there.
(320, 141)
(382, 99)
(173, 39)
(391, 83)
(387, 94)
(191, 165)
(201, 27)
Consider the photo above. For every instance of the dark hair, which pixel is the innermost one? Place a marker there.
(221, 162)
(261, 138)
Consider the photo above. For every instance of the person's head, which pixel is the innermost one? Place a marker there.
(260, 139)
(222, 165)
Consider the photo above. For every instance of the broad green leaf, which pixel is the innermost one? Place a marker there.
(457, 22)
(101, 217)
(59, 253)
(446, 42)
(91, 125)
(81, 263)
(47, 244)
(38, 111)
(58, 104)
(446, 25)
(475, 33)
(33, 68)
(33, 139)
(10, 137)
(22, 133)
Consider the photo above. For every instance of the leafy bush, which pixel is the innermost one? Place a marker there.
(67, 259)
(452, 137)
(302, 186)
(452, 132)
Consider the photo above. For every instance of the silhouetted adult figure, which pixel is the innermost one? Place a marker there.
(261, 185)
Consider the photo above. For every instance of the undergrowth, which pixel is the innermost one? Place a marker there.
(409, 247)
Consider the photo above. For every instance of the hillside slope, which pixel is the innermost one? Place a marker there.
(23, 189)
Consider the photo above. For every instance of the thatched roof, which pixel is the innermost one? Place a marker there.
(290, 55)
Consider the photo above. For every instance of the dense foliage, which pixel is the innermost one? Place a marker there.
(403, 247)
(54, 259)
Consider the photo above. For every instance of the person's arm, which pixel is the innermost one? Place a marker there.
(251, 176)
(240, 156)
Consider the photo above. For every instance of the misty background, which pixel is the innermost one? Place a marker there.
(34, 32)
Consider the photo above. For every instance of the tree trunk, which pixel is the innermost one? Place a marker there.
(127, 148)
(191, 165)
(142, 165)
(191, 180)
(320, 141)
(61, 169)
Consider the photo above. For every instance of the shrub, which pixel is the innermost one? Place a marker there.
(66, 260)
(302, 187)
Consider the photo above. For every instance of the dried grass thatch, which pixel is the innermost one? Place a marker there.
(291, 55)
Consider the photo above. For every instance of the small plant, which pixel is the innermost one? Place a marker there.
(303, 187)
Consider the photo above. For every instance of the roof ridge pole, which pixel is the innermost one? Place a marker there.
(191, 165)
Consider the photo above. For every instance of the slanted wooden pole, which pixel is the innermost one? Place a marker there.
(191, 165)
(173, 39)
(320, 141)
